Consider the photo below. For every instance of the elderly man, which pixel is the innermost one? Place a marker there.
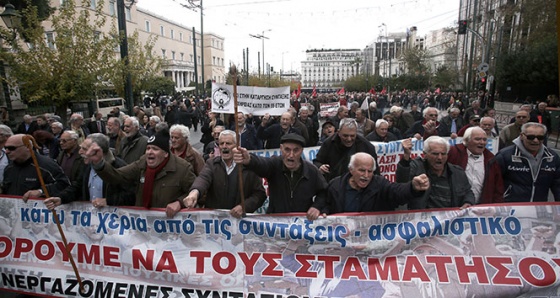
(293, 182)
(96, 125)
(134, 145)
(473, 122)
(20, 176)
(77, 124)
(403, 120)
(340, 114)
(365, 125)
(311, 126)
(163, 179)
(334, 155)
(274, 132)
(69, 158)
(27, 126)
(5, 133)
(449, 185)
(219, 180)
(488, 124)
(211, 148)
(381, 132)
(474, 109)
(361, 191)
(428, 127)
(373, 113)
(115, 133)
(484, 174)
(454, 122)
(248, 132)
(511, 131)
(181, 147)
(91, 187)
(529, 168)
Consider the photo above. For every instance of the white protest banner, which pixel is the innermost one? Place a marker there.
(482, 251)
(250, 100)
(328, 109)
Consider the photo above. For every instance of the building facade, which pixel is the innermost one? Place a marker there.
(329, 68)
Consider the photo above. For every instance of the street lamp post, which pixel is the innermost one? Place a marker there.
(262, 38)
(121, 18)
(12, 19)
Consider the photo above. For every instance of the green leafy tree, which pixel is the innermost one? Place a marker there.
(43, 8)
(445, 77)
(68, 67)
(159, 85)
(144, 67)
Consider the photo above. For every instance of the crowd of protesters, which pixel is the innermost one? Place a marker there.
(150, 151)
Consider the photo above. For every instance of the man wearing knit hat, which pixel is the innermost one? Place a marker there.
(163, 179)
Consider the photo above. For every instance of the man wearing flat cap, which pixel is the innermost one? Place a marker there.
(163, 179)
(292, 181)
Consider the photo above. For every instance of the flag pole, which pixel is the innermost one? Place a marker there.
(233, 76)
(29, 142)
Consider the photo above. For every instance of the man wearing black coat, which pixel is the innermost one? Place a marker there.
(361, 191)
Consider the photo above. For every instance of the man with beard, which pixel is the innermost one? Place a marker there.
(449, 186)
(115, 133)
(294, 183)
(334, 154)
(20, 176)
(219, 180)
(134, 145)
(274, 132)
(163, 179)
(361, 191)
(91, 187)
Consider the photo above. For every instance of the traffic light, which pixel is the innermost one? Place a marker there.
(482, 84)
(463, 26)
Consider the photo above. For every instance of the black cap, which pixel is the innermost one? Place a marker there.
(474, 117)
(328, 122)
(160, 139)
(293, 138)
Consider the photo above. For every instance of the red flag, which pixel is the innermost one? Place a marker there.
(314, 93)
(372, 91)
(341, 91)
(437, 91)
(294, 93)
(384, 91)
(298, 93)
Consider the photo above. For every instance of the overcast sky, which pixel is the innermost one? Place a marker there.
(298, 25)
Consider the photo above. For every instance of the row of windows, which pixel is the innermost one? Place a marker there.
(112, 8)
(338, 70)
(171, 32)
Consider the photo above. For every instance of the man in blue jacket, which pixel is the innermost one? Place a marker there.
(529, 168)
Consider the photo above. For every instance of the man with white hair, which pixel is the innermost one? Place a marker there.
(27, 126)
(77, 124)
(488, 124)
(403, 120)
(134, 145)
(181, 147)
(5, 133)
(483, 172)
(360, 190)
(381, 132)
(374, 114)
(449, 185)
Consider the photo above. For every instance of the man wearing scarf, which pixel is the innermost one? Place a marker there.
(163, 179)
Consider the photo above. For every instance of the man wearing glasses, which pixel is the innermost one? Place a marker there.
(429, 126)
(20, 177)
(529, 168)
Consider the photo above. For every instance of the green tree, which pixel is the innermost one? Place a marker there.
(144, 66)
(444, 78)
(159, 85)
(416, 61)
(66, 68)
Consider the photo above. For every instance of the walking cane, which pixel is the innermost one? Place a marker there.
(233, 76)
(29, 142)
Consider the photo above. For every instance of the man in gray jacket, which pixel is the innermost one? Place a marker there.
(449, 186)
